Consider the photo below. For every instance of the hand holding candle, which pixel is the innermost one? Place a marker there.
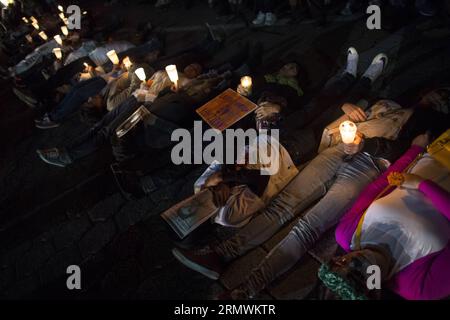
(58, 39)
(112, 55)
(352, 141)
(173, 74)
(65, 31)
(245, 88)
(58, 53)
(43, 35)
(140, 73)
(127, 63)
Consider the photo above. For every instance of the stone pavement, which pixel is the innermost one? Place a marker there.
(51, 218)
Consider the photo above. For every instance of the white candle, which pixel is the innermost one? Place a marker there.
(112, 55)
(60, 8)
(173, 74)
(62, 16)
(58, 53)
(35, 25)
(58, 39)
(64, 30)
(43, 35)
(348, 132)
(29, 38)
(127, 63)
(246, 86)
(25, 20)
(66, 21)
(246, 82)
(141, 74)
(33, 19)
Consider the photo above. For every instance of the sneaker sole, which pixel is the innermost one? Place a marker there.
(194, 266)
(46, 127)
(48, 162)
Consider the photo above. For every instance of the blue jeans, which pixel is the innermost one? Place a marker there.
(329, 178)
(79, 94)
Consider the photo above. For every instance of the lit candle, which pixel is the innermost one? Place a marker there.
(58, 53)
(33, 19)
(84, 12)
(127, 63)
(43, 35)
(35, 25)
(66, 21)
(62, 16)
(112, 55)
(29, 38)
(60, 8)
(246, 85)
(86, 65)
(58, 39)
(64, 30)
(348, 132)
(141, 74)
(173, 74)
(25, 20)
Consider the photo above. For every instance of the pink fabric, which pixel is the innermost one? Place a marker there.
(350, 220)
(425, 278)
(438, 196)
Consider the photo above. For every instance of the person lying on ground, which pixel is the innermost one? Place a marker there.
(175, 108)
(400, 223)
(334, 180)
(97, 86)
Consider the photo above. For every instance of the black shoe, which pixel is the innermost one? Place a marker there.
(45, 123)
(54, 157)
(205, 261)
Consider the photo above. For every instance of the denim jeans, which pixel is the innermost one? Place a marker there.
(329, 178)
(79, 94)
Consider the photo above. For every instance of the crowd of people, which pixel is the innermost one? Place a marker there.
(386, 191)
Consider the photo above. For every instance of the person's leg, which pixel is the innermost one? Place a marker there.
(351, 179)
(309, 185)
(79, 94)
(328, 98)
(99, 134)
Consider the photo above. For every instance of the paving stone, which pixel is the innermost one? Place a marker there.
(241, 268)
(298, 282)
(106, 208)
(70, 232)
(57, 265)
(38, 254)
(129, 215)
(24, 288)
(96, 238)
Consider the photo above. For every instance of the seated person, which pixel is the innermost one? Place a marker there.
(405, 231)
(331, 178)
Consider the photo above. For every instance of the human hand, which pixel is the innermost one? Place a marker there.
(267, 109)
(213, 180)
(354, 112)
(421, 140)
(356, 146)
(411, 181)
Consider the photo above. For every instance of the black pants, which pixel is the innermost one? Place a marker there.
(265, 6)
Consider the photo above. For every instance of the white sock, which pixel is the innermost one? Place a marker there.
(352, 64)
(374, 71)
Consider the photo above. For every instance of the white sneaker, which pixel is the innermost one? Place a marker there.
(270, 19)
(260, 19)
(352, 61)
(379, 63)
